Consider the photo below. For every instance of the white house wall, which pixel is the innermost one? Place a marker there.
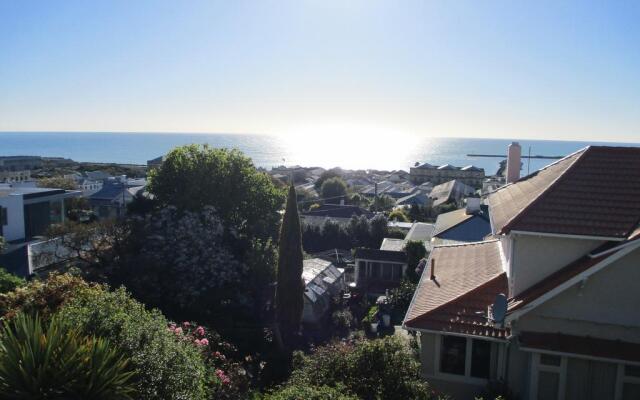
(14, 230)
(604, 306)
(536, 257)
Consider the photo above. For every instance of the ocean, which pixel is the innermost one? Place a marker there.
(383, 153)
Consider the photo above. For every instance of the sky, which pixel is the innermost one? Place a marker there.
(542, 70)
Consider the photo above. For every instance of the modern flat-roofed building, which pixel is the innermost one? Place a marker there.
(26, 212)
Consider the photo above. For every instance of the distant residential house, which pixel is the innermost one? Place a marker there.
(400, 225)
(398, 176)
(26, 213)
(388, 188)
(426, 172)
(322, 281)
(112, 199)
(155, 163)
(335, 212)
(378, 270)
(97, 175)
(450, 192)
(549, 306)
(469, 224)
(418, 198)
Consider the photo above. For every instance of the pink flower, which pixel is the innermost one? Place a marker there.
(197, 342)
(222, 376)
(178, 331)
(186, 324)
(200, 331)
(204, 342)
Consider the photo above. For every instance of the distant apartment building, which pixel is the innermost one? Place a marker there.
(435, 174)
(20, 163)
(15, 176)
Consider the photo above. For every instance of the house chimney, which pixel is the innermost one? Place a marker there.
(473, 205)
(513, 162)
(433, 269)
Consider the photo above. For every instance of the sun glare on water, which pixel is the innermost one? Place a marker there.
(348, 146)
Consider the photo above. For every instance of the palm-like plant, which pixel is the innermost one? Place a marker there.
(58, 362)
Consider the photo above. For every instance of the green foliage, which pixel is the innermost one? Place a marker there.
(383, 203)
(398, 215)
(370, 370)
(378, 230)
(395, 233)
(290, 289)
(372, 315)
(44, 297)
(9, 282)
(328, 174)
(194, 176)
(56, 362)
(2, 243)
(305, 392)
(333, 188)
(342, 321)
(57, 182)
(166, 368)
(415, 252)
(400, 298)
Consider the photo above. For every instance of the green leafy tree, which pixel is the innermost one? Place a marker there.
(194, 176)
(415, 252)
(398, 215)
(328, 174)
(289, 300)
(54, 361)
(332, 189)
(378, 230)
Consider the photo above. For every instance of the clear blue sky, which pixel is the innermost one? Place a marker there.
(539, 69)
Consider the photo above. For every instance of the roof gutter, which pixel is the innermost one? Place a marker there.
(562, 235)
(612, 250)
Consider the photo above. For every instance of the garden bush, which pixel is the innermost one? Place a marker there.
(56, 361)
(44, 297)
(375, 369)
(9, 282)
(304, 392)
(166, 368)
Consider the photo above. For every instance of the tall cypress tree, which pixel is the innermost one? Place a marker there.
(290, 290)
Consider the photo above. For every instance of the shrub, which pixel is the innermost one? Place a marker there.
(9, 282)
(58, 362)
(400, 298)
(342, 320)
(304, 392)
(44, 297)
(167, 368)
(375, 369)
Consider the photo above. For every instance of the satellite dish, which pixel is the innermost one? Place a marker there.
(499, 308)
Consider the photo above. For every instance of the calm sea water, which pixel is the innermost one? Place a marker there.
(269, 151)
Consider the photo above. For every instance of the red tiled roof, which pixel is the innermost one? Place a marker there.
(562, 275)
(588, 346)
(468, 278)
(593, 192)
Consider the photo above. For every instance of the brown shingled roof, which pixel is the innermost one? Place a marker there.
(468, 278)
(593, 192)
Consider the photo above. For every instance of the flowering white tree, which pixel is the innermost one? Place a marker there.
(182, 260)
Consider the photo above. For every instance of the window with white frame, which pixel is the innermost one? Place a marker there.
(465, 357)
(629, 387)
(581, 378)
